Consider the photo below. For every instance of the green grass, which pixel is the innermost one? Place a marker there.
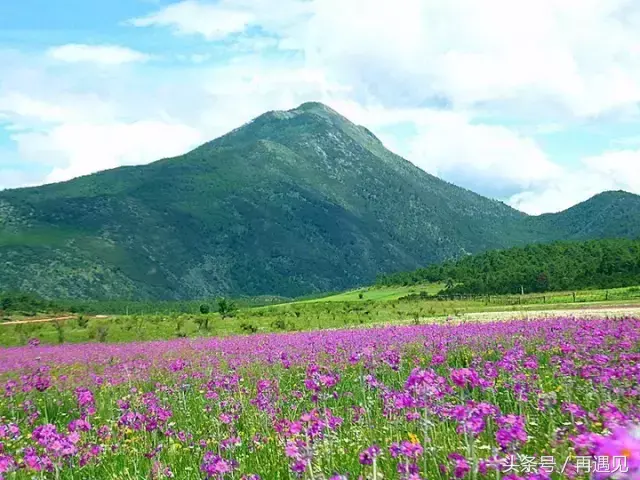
(378, 293)
(378, 306)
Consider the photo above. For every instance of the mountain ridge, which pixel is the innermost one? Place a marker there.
(291, 203)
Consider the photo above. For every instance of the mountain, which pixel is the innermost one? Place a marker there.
(291, 203)
(607, 215)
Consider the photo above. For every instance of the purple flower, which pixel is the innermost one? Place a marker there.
(461, 466)
(465, 377)
(406, 449)
(622, 448)
(512, 431)
(7, 464)
(214, 466)
(368, 456)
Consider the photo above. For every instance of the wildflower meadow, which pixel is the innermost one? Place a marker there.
(532, 399)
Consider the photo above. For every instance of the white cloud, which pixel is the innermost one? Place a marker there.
(497, 161)
(79, 149)
(191, 17)
(553, 54)
(617, 170)
(142, 118)
(215, 20)
(64, 108)
(98, 54)
(23, 106)
(559, 57)
(621, 167)
(492, 160)
(14, 178)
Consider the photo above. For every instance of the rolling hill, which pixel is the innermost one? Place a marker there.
(291, 203)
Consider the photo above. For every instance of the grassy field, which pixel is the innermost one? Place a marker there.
(358, 308)
(442, 397)
(378, 293)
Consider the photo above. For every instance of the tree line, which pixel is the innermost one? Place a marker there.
(28, 304)
(557, 266)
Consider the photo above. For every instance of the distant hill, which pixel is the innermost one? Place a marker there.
(535, 268)
(607, 215)
(292, 203)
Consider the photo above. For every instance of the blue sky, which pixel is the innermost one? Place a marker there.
(533, 103)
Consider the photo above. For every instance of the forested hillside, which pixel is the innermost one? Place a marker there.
(535, 268)
(293, 203)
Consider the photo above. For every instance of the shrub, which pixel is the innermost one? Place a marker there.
(59, 326)
(202, 322)
(248, 327)
(102, 333)
(226, 308)
(279, 324)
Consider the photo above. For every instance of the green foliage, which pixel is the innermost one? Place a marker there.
(248, 327)
(279, 324)
(102, 333)
(204, 309)
(59, 326)
(202, 322)
(25, 302)
(535, 268)
(226, 308)
(83, 322)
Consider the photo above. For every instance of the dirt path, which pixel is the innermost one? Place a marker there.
(592, 311)
(37, 320)
(588, 312)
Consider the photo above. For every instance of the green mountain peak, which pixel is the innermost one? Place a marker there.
(293, 202)
(315, 107)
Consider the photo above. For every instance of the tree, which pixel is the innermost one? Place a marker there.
(226, 308)
(542, 282)
(6, 303)
(204, 309)
(450, 284)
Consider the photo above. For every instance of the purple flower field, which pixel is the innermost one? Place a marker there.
(536, 399)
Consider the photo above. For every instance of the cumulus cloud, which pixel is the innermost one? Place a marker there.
(79, 149)
(570, 57)
(498, 161)
(15, 178)
(616, 170)
(141, 118)
(98, 54)
(191, 17)
(31, 109)
(488, 159)
(220, 19)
